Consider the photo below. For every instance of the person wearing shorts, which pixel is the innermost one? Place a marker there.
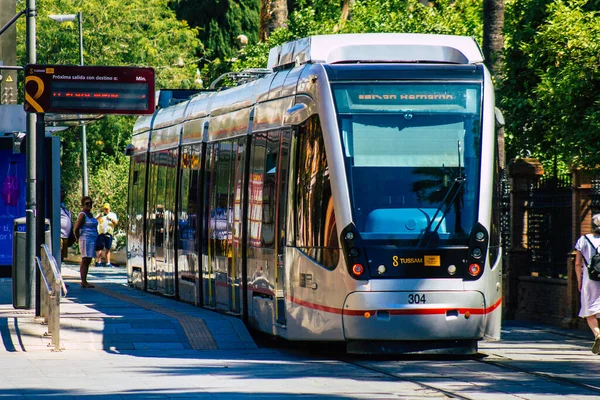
(86, 231)
(107, 221)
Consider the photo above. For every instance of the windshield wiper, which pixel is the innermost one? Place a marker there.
(446, 203)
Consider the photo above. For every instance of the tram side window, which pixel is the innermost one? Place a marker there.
(138, 183)
(495, 223)
(233, 145)
(256, 188)
(184, 198)
(220, 210)
(316, 233)
(188, 206)
(209, 173)
(159, 206)
(141, 193)
(132, 192)
(269, 190)
(152, 188)
(238, 194)
(170, 189)
(131, 199)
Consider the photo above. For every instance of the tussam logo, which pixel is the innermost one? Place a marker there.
(140, 78)
(411, 260)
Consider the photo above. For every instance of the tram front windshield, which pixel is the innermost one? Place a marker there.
(412, 153)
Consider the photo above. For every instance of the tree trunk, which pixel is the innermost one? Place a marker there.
(493, 48)
(346, 11)
(493, 40)
(273, 15)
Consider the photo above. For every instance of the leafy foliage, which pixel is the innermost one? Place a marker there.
(115, 33)
(441, 17)
(552, 82)
(462, 17)
(219, 23)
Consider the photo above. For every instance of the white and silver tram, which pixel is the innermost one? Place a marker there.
(348, 194)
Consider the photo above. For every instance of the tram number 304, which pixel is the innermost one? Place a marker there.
(416, 298)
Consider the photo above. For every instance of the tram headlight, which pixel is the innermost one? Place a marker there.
(476, 253)
(353, 252)
(349, 235)
(381, 269)
(452, 269)
(358, 269)
(480, 236)
(474, 269)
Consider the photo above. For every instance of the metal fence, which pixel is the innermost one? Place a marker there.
(50, 293)
(549, 221)
(505, 217)
(595, 195)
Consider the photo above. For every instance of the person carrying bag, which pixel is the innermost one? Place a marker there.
(586, 255)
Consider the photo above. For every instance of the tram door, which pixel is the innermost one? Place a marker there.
(266, 232)
(280, 218)
(220, 253)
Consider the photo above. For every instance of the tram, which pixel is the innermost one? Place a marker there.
(349, 193)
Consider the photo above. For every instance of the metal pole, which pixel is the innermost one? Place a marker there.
(84, 173)
(30, 212)
(80, 18)
(40, 218)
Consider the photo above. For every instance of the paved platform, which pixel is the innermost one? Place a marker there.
(115, 317)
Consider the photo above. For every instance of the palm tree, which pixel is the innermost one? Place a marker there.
(273, 15)
(493, 48)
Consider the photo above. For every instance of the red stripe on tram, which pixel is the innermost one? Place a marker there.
(417, 311)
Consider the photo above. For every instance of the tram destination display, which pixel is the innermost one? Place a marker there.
(66, 89)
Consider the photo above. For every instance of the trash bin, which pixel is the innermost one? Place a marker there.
(23, 276)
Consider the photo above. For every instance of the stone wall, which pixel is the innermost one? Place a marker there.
(542, 300)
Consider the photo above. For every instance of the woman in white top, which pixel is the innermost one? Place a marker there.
(586, 248)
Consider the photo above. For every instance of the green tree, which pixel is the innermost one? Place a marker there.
(461, 17)
(219, 24)
(115, 33)
(551, 92)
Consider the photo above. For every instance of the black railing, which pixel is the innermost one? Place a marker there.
(595, 195)
(549, 221)
(505, 217)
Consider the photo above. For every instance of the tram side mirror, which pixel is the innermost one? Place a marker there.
(499, 118)
(129, 150)
(297, 114)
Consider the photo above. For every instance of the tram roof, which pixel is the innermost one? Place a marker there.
(143, 124)
(376, 47)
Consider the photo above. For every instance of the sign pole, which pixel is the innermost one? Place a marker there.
(40, 220)
(30, 208)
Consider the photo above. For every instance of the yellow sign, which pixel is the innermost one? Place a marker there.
(49, 70)
(432, 261)
(30, 101)
(9, 79)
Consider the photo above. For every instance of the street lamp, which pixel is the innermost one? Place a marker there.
(60, 18)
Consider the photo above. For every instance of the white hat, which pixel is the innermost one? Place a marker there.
(596, 221)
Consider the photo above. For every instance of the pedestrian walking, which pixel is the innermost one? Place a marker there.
(107, 222)
(86, 230)
(588, 279)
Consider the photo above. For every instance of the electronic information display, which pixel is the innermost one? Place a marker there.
(67, 89)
